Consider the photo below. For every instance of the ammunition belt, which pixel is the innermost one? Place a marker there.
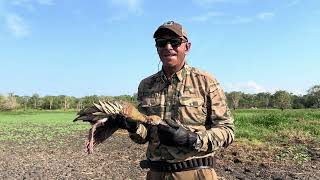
(162, 166)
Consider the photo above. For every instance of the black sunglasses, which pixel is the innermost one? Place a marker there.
(175, 42)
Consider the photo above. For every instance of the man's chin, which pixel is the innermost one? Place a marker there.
(170, 60)
(170, 65)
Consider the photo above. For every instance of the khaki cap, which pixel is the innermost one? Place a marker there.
(172, 26)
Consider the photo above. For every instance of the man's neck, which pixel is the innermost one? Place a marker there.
(170, 71)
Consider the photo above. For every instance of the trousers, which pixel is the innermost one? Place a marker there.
(196, 174)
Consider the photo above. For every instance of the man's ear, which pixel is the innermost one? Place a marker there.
(188, 46)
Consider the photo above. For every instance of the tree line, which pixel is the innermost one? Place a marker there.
(62, 102)
(280, 99)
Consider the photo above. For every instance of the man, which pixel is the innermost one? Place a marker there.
(192, 105)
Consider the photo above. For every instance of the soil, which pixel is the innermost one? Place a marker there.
(118, 158)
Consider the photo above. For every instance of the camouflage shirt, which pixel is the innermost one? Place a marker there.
(193, 99)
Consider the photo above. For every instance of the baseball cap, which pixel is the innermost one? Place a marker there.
(172, 26)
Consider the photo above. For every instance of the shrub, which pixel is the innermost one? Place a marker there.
(8, 103)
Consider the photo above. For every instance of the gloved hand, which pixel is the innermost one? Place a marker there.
(178, 137)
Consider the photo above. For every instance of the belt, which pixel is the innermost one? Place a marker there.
(162, 166)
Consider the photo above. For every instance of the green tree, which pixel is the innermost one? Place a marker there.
(126, 98)
(78, 103)
(87, 101)
(23, 101)
(72, 102)
(247, 101)
(49, 102)
(263, 100)
(235, 97)
(281, 100)
(314, 96)
(298, 102)
(34, 101)
(63, 101)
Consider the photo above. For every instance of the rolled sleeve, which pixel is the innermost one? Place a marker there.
(219, 123)
(140, 136)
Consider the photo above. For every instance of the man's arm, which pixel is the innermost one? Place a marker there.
(219, 123)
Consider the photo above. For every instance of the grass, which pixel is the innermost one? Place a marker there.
(292, 133)
(37, 125)
(254, 125)
(260, 126)
(276, 125)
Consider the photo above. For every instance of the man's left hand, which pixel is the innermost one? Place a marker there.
(177, 136)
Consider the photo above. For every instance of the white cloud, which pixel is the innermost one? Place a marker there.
(253, 87)
(132, 6)
(17, 25)
(45, 2)
(115, 18)
(256, 87)
(30, 4)
(205, 17)
(221, 18)
(205, 3)
(22, 3)
(210, 3)
(248, 87)
(265, 15)
(262, 16)
(298, 91)
(293, 3)
(241, 20)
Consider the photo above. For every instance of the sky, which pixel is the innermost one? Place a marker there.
(105, 47)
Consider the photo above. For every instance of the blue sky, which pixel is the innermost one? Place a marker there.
(105, 47)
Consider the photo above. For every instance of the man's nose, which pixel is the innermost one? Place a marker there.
(168, 46)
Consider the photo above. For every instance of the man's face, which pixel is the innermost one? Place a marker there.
(171, 55)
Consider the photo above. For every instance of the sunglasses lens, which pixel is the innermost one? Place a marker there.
(163, 42)
(175, 42)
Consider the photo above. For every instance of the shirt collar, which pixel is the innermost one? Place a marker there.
(178, 75)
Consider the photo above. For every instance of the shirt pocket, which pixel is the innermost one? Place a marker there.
(151, 105)
(192, 109)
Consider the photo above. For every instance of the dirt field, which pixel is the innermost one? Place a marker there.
(118, 158)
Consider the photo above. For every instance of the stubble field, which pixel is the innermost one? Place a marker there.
(270, 144)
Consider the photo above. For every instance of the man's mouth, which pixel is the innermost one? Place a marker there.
(169, 55)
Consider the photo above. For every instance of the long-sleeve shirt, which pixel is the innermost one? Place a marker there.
(192, 99)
